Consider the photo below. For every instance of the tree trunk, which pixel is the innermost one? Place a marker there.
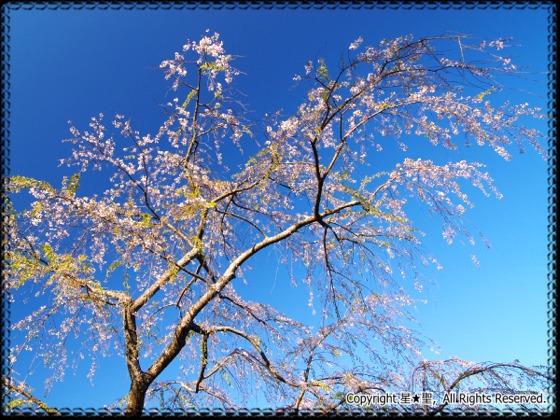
(137, 396)
(139, 380)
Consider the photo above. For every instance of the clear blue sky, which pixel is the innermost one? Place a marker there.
(72, 65)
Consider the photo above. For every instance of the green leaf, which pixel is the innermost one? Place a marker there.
(74, 183)
(322, 71)
(189, 97)
(146, 220)
(226, 377)
(48, 251)
(17, 183)
(22, 268)
(15, 403)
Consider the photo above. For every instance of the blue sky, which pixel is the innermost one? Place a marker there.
(73, 64)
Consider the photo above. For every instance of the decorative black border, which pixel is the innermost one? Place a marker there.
(552, 205)
(288, 4)
(280, 4)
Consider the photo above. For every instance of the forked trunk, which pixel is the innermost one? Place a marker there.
(137, 397)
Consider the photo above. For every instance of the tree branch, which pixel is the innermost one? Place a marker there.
(21, 390)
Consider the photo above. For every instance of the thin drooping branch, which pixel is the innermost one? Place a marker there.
(269, 367)
(13, 387)
(161, 281)
(307, 370)
(479, 370)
